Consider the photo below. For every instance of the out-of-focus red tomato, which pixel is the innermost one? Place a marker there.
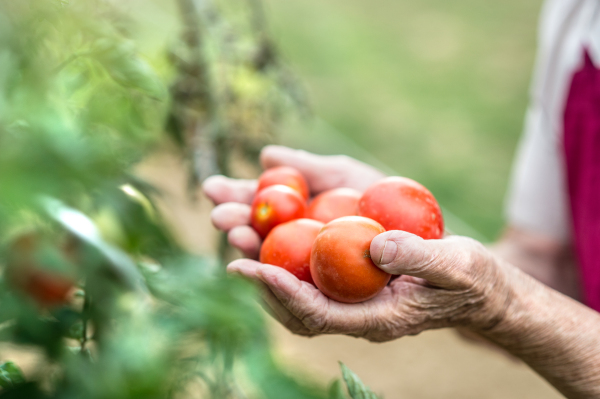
(399, 203)
(333, 204)
(47, 286)
(289, 244)
(340, 261)
(286, 176)
(275, 205)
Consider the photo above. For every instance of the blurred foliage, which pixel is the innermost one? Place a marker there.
(232, 88)
(79, 106)
(10, 375)
(435, 89)
(356, 388)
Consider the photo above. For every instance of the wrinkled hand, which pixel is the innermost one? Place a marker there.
(454, 281)
(233, 196)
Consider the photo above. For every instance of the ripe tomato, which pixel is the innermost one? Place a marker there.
(284, 175)
(399, 203)
(275, 205)
(46, 288)
(289, 244)
(340, 261)
(333, 204)
(48, 285)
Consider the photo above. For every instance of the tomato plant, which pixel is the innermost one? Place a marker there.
(40, 271)
(286, 176)
(289, 244)
(275, 205)
(340, 261)
(399, 203)
(333, 204)
(81, 110)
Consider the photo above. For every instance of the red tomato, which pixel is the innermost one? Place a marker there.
(48, 287)
(275, 205)
(289, 244)
(340, 261)
(333, 204)
(399, 203)
(284, 175)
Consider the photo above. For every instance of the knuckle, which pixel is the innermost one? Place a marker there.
(296, 327)
(309, 315)
(315, 320)
(466, 259)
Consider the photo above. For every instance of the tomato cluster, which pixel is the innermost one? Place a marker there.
(326, 242)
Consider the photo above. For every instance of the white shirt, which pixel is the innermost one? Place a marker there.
(537, 199)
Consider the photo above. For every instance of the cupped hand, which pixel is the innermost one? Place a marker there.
(454, 281)
(233, 196)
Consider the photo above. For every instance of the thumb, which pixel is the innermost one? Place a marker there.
(445, 263)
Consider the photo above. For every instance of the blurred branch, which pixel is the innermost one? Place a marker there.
(196, 105)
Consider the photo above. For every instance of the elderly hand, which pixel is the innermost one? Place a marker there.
(454, 281)
(233, 196)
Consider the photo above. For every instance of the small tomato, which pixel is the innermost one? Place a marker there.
(48, 285)
(333, 204)
(288, 246)
(275, 205)
(286, 176)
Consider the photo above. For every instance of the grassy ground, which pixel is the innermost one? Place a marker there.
(435, 89)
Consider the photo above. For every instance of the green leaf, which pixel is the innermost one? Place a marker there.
(84, 228)
(119, 58)
(336, 391)
(10, 375)
(356, 388)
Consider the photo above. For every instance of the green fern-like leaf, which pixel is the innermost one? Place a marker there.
(10, 375)
(356, 388)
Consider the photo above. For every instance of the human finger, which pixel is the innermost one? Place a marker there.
(246, 239)
(317, 312)
(221, 189)
(272, 305)
(444, 263)
(229, 215)
(322, 172)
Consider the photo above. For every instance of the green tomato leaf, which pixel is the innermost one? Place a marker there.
(84, 228)
(120, 60)
(10, 375)
(356, 388)
(336, 391)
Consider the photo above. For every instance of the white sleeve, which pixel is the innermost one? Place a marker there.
(537, 198)
(537, 195)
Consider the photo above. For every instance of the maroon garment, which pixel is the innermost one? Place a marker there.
(582, 156)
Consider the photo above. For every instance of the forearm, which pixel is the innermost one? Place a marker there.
(547, 259)
(557, 336)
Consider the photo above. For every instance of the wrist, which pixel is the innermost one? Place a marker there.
(526, 314)
(498, 291)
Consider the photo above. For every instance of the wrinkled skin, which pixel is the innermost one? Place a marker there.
(453, 281)
(407, 306)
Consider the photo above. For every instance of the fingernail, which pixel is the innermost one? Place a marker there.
(390, 250)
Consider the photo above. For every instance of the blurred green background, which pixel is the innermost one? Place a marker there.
(436, 90)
